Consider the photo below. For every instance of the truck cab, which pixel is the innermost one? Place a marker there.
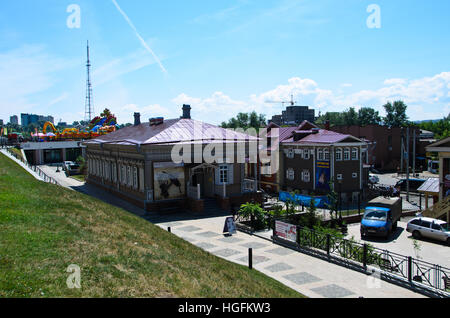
(381, 216)
(377, 221)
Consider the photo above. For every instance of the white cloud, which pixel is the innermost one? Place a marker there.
(426, 97)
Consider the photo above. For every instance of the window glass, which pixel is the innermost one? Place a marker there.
(425, 224)
(436, 227)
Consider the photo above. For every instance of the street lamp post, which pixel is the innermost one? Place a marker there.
(340, 200)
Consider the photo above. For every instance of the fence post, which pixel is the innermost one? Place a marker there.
(409, 268)
(169, 230)
(365, 256)
(328, 244)
(250, 258)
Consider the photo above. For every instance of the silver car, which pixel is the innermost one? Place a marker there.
(429, 228)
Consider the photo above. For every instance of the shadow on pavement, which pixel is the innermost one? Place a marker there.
(394, 236)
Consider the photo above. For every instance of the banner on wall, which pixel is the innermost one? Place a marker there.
(169, 181)
(322, 175)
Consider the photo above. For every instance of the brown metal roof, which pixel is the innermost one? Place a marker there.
(171, 131)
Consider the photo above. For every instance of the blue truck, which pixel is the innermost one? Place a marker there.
(381, 217)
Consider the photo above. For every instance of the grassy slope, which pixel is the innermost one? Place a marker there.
(45, 228)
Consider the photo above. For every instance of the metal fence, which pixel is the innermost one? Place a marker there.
(406, 268)
(36, 169)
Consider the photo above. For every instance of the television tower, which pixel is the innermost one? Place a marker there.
(89, 106)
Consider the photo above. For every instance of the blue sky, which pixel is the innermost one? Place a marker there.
(223, 57)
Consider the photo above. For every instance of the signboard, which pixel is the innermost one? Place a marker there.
(286, 231)
(230, 226)
(169, 181)
(322, 175)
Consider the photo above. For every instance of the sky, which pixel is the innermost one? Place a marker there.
(223, 57)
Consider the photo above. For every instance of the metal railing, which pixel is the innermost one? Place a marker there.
(34, 168)
(406, 268)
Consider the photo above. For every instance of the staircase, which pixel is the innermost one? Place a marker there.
(438, 210)
(210, 206)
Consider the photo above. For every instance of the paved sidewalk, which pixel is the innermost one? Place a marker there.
(308, 275)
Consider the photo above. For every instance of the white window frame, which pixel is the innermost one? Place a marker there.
(326, 154)
(306, 176)
(354, 152)
(290, 174)
(339, 176)
(354, 175)
(339, 154)
(135, 177)
(290, 153)
(320, 154)
(347, 154)
(129, 179)
(306, 154)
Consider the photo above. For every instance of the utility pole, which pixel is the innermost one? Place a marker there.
(407, 164)
(414, 153)
(402, 152)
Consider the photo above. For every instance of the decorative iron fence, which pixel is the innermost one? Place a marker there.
(407, 268)
(36, 169)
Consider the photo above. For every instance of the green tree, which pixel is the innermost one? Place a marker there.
(245, 121)
(368, 116)
(395, 114)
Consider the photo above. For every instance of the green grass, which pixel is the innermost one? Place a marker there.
(79, 177)
(45, 228)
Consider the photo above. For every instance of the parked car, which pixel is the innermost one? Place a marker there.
(66, 165)
(414, 184)
(430, 228)
(373, 179)
(72, 169)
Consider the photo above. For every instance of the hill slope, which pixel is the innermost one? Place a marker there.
(45, 228)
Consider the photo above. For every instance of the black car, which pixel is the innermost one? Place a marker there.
(414, 184)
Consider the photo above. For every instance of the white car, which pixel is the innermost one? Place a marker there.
(373, 179)
(430, 228)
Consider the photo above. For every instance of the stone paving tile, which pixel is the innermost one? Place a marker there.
(206, 246)
(189, 239)
(172, 224)
(209, 234)
(230, 239)
(280, 251)
(254, 245)
(302, 278)
(279, 267)
(226, 252)
(332, 291)
(189, 228)
(256, 259)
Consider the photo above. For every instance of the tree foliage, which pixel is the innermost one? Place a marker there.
(245, 121)
(365, 116)
(395, 114)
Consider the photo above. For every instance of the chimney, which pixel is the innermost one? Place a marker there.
(186, 112)
(137, 119)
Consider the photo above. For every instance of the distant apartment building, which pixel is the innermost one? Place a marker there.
(27, 119)
(385, 144)
(14, 120)
(294, 115)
